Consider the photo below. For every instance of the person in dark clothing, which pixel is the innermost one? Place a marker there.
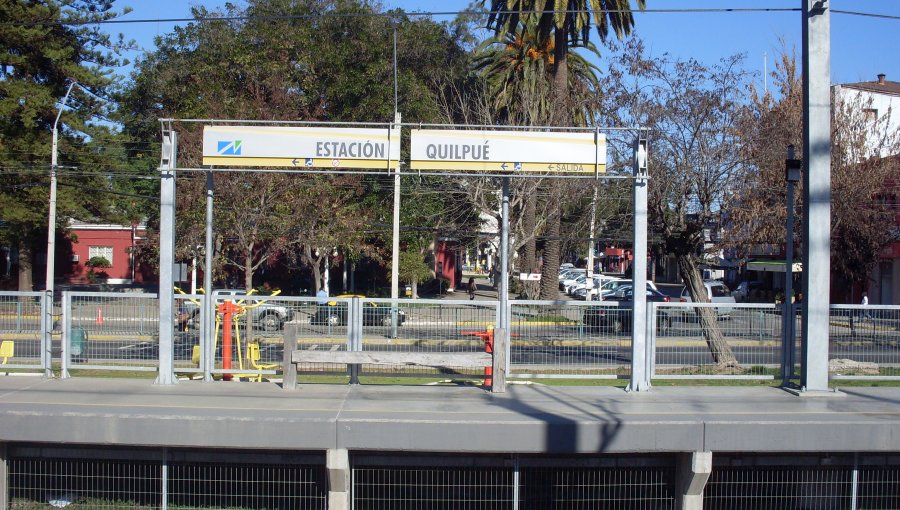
(471, 288)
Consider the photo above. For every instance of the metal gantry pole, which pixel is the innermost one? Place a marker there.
(167, 255)
(589, 281)
(640, 378)
(208, 314)
(816, 193)
(504, 257)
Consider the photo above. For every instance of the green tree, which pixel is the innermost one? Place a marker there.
(46, 45)
(326, 60)
(413, 270)
(569, 22)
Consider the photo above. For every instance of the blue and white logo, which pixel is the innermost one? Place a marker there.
(230, 148)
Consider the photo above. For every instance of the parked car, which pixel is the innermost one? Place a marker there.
(717, 293)
(616, 316)
(569, 278)
(267, 315)
(579, 290)
(745, 290)
(334, 313)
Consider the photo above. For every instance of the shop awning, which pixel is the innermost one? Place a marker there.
(773, 266)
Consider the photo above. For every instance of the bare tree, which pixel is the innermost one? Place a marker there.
(861, 220)
(691, 109)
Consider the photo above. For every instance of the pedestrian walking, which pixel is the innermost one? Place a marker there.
(865, 302)
(471, 288)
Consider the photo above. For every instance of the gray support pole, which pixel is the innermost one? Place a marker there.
(47, 337)
(395, 239)
(208, 314)
(498, 374)
(4, 476)
(816, 193)
(164, 480)
(504, 257)
(288, 368)
(167, 255)
(47, 327)
(589, 281)
(65, 356)
(792, 176)
(640, 378)
(337, 462)
(692, 473)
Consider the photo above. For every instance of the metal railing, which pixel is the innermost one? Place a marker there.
(24, 335)
(93, 331)
(109, 331)
(558, 339)
(737, 341)
(864, 342)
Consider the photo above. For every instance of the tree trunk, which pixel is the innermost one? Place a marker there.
(529, 250)
(718, 346)
(550, 271)
(552, 244)
(314, 264)
(26, 280)
(248, 268)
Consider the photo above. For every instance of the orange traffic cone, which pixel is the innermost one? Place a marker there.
(99, 315)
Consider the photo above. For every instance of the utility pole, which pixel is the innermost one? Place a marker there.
(51, 223)
(51, 235)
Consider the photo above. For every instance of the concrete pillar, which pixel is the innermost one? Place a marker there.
(337, 462)
(816, 194)
(691, 474)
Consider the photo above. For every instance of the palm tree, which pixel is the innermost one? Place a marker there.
(569, 22)
(517, 71)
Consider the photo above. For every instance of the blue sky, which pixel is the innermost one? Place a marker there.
(861, 46)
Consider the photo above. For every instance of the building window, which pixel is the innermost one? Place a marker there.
(870, 114)
(101, 251)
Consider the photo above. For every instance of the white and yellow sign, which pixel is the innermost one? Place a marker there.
(508, 151)
(301, 147)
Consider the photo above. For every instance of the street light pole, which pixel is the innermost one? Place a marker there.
(792, 168)
(51, 222)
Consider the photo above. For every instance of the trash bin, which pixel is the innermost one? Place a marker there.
(79, 337)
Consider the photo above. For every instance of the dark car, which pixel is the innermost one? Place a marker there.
(617, 317)
(334, 313)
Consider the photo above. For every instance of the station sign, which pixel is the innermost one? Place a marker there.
(508, 151)
(301, 147)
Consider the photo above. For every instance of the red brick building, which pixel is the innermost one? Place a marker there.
(114, 242)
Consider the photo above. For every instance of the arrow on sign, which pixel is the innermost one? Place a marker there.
(503, 166)
(294, 161)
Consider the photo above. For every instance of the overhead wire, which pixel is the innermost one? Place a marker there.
(394, 14)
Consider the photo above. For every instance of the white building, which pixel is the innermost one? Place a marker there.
(880, 103)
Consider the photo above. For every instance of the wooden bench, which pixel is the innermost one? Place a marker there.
(294, 357)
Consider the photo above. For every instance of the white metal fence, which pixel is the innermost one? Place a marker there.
(90, 332)
(24, 331)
